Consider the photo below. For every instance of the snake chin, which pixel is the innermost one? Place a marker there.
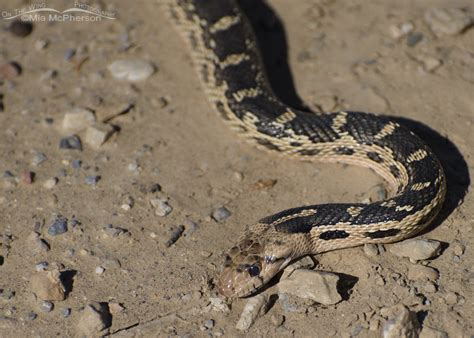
(250, 265)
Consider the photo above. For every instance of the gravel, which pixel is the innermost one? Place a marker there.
(175, 235)
(221, 214)
(162, 208)
(92, 179)
(131, 70)
(70, 142)
(250, 312)
(401, 322)
(47, 285)
(58, 227)
(47, 306)
(97, 134)
(94, 321)
(78, 119)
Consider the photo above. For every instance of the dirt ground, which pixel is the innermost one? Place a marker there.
(329, 54)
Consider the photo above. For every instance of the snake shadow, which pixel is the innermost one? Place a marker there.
(272, 41)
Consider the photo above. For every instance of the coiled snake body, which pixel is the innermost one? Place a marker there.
(229, 65)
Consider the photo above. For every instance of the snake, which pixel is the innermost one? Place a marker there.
(225, 52)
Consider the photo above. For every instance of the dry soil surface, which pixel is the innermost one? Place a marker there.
(170, 148)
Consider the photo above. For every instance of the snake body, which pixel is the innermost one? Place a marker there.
(229, 65)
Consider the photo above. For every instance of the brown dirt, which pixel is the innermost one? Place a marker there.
(339, 54)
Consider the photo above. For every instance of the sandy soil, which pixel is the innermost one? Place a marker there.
(328, 54)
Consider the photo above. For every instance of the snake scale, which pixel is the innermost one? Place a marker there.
(225, 52)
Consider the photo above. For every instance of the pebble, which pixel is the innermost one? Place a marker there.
(92, 179)
(58, 227)
(221, 214)
(190, 228)
(414, 38)
(70, 142)
(39, 245)
(208, 324)
(115, 308)
(76, 164)
(93, 321)
(66, 312)
(38, 158)
(401, 30)
(112, 231)
(27, 177)
(99, 270)
(430, 63)
(41, 266)
(429, 287)
(31, 316)
(250, 312)
(416, 249)
(458, 248)
(97, 134)
(47, 306)
(217, 304)
(419, 272)
(277, 320)
(41, 44)
(131, 70)
(371, 250)
(428, 332)
(451, 298)
(50, 183)
(175, 235)
(401, 322)
(47, 285)
(162, 208)
(318, 286)
(10, 70)
(20, 28)
(78, 119)
(448, 21)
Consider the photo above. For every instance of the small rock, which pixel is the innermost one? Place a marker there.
(94, 321)
(208, 324)
(20, 28)
(39, 245)
(217, 304)
(277, 320)
(449, 21)
(131, 70)
(38, 158)
(315, 285)
(416, 249)
(10, 70)
(66, 312)
(92, 179)
(112, 231)
(162, 208)
(419, 272)
(430, 63)
(41, 266)
(78, 119)
(97, 134)
(428, 332)
(401, 30)
(251, 312)
(451, 298)
(414, 38)
(221, 214)
(76, 164)
(71, 142)
(48, 285)
(41, 44)
(458, 248)
(50, 183)
(189, 228)
(401, 323)
(99, 270)
(31, 316)
(175, 235)
(115, 308)
(371, 250)
(27, 177)
(47, 306)
(58, 227)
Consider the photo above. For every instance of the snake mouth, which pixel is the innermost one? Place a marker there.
(236, 282)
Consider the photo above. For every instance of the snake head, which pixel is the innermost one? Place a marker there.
(251, 264)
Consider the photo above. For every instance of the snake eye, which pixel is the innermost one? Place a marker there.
(254, 270)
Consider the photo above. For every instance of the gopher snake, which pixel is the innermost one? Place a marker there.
(229, 65)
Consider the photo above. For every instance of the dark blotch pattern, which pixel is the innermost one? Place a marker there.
(343, 151)
(383, 233)
(335, 234)
(394, 170)
(375, 157)
(267, 144)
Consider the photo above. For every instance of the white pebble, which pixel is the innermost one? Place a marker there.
(99, 270)
(131, 70)
(78, 119)
(251, 312)
(50, 183)
(97, 134)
